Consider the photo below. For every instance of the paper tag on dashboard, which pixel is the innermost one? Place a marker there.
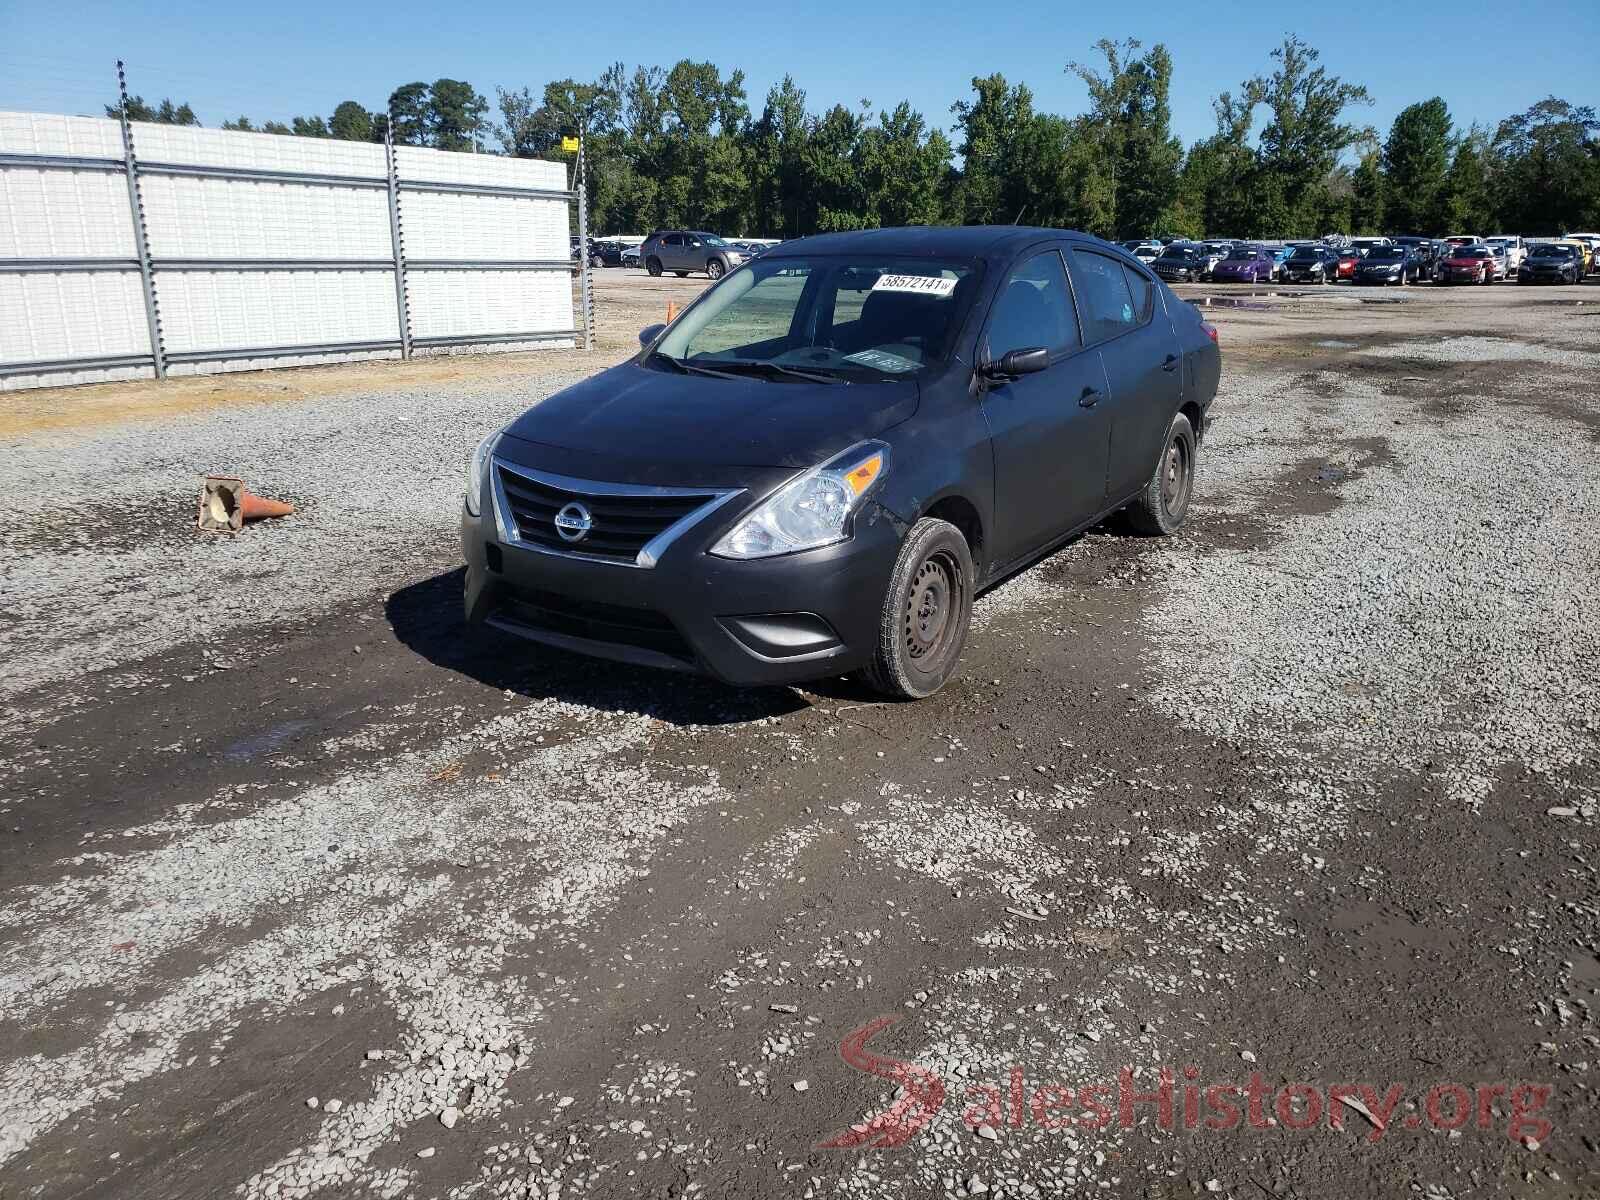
(920, 285)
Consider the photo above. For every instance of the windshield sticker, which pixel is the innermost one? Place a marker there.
(882, 360)
(921, 285)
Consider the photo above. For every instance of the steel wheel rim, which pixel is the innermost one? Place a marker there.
(931, 602)
(1175, 477)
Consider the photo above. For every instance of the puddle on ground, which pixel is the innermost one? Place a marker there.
(1336, 344)
(1332, 474)
(264, 742)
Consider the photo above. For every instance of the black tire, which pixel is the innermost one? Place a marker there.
(654, 265)
(681, 274)
(1160, 509)
(927, 608)
(715, 269)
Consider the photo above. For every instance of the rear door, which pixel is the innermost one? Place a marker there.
(1122, 313)
(672, 252)
(1050, 431)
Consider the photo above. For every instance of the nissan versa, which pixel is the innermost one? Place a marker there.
(816, 467)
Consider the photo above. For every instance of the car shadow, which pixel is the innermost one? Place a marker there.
(426, 618)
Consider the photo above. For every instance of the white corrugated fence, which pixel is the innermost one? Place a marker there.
(264, 250)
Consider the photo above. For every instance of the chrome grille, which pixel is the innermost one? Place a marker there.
(623, 520)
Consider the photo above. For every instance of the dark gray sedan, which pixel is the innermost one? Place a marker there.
(816, 468)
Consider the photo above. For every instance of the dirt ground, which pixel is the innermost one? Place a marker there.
(305, 892)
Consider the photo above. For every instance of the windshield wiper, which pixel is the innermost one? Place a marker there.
(759, 365)
(688, 368)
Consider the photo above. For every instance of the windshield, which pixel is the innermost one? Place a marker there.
(1471, 252)
(846, 318)
(1549, 251)
(1306, 254)
(1385, 254)
(1178, 252)
(1244, 252)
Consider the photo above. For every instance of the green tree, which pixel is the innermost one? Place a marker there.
(1416, 158)
(242, 125)
(1130, 125)
(1545, 165)
(455, 115)
(1367, 194)
(1307, 132)
(351, 122)
(901, 164)
(309, 127)
(410, 114)
(166, 113)
(1469, 203)
(275, 127)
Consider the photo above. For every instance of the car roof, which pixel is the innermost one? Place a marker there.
(933, 241)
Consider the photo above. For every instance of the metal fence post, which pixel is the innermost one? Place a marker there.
(585, 296)
(141, 244)
(402, 300)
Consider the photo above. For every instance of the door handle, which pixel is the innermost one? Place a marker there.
(1170, 363)
(1090, 398)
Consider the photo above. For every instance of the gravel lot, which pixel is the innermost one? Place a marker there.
(303, 893)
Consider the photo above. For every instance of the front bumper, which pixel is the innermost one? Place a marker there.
(766, 621)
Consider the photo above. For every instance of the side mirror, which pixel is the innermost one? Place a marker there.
(649, 334)
(1017, 362)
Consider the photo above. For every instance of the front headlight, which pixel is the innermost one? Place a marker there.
(476, 469)
(813, 511)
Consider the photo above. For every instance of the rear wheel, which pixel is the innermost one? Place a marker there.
(654, 266)
(1164, 503)
(926, 611)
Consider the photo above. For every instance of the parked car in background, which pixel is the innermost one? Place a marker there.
(606, 254)
(684, 250)
(630, 256)
(1349, 259)
(1592, 241)
(1245, 264)
(819, 464)
(1366, 244)
(1311, 264)
(1148, 252)
(1552, 262)
(1280, 255)
(1390, 264)
(1474, 263)
(1181, 262)
(1514, 249)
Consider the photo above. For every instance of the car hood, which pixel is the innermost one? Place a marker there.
(636, 414)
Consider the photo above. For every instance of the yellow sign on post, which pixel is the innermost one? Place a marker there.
(569, 145)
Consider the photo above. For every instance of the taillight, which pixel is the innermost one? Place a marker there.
(1211, 331)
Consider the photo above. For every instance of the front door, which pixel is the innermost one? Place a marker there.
(1050, 431)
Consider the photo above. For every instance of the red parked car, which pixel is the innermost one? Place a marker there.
(1472, 264)
(1347, 263)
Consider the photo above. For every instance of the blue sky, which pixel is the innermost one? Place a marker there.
(272, 61)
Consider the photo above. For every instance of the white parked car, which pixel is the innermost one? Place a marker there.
(1515, 250)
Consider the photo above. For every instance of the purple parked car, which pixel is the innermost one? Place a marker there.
(1246, 264)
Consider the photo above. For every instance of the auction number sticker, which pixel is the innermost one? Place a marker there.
(920, 285)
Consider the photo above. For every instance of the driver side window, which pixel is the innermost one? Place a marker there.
(1034, 310)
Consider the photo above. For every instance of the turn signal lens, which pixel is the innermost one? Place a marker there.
(860, 479)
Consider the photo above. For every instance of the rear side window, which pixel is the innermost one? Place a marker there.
(1034, 309)
(1105, 301)
(1144, 295)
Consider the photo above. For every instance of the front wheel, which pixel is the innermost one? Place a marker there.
(714, 268)
(1164, 503)
(926, 611)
